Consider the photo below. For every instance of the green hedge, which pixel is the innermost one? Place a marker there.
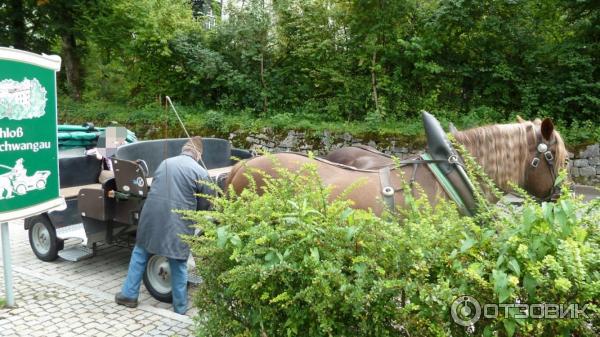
(286, 262)
(154, 121)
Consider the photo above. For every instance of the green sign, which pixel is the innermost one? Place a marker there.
(29, 181)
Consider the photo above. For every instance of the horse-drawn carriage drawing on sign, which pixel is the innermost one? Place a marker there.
(37, 181)
(17, 182)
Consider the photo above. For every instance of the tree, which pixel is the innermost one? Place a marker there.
(21, 26)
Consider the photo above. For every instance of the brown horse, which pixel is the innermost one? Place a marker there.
(507, 152)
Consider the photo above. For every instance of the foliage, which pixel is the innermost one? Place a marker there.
(582, 132)
(342, 60)
(148, 121)
(201, 120)
(131, 52)
(285, 261)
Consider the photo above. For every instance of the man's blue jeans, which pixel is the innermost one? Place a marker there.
(135, 273)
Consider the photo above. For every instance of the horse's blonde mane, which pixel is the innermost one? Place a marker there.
(503, 150)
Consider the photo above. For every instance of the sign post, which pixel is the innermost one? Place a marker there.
(29, 181)
(6, 261)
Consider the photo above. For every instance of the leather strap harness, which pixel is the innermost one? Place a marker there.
(542, 150)
(387, 190)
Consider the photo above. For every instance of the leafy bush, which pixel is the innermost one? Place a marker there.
(199, 119)
(214, 120)
(345, 60)
(582, 132)
(287, 262)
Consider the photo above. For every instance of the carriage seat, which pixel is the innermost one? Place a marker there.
(130, 178)
(77, 172)
(217, 152)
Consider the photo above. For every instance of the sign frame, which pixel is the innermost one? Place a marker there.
(28, 106)
(31, 64)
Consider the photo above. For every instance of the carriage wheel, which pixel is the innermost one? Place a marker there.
(42, 239)
(21, 189)
(40, 184)
(157, 278)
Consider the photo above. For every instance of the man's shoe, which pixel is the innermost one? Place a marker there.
(128, 302)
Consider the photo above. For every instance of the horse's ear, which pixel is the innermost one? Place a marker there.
(547, 128)
(520, 120)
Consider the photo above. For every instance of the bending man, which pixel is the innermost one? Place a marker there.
(175, 183)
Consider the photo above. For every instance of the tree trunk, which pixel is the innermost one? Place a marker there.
(18, 29)
(374, 80)
(72, 65)
(467, 93)
(262, 80)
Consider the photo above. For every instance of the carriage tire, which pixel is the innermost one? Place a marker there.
(40, 184)
(43, 240)
(21, 189)
(154, 279)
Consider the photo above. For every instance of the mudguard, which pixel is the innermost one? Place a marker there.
(440, 148)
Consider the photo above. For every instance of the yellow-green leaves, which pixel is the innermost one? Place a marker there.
(286, 262)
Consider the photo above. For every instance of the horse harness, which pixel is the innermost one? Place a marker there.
(441, 159)
(387, 190)
(542, 149)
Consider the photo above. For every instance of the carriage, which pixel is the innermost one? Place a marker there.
(107, 211)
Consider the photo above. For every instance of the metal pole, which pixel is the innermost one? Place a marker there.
(185, 130)
(8, 284)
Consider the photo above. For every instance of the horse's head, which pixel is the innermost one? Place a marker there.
(546, 156)
(527, 153)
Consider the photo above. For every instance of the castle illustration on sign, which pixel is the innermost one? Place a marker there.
(22, 100)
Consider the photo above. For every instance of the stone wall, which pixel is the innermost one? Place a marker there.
(584, 166)
(321, 143)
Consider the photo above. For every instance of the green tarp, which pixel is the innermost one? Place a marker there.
(70, 136)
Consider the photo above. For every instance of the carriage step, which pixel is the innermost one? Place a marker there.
(76, 253)
(72, 232)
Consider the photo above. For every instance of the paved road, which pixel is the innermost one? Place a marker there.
(63, 298)
(588, 192)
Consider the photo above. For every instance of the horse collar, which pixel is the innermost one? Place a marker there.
(444, 162)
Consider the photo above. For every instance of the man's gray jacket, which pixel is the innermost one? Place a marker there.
(174, 186)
